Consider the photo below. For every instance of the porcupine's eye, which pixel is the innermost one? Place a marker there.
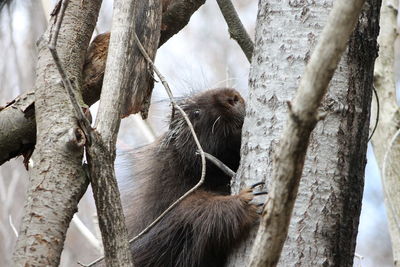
(196, 113)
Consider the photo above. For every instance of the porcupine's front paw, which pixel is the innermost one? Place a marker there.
(248, 195)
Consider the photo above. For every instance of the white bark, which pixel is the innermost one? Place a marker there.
(303, 116)
(385, 142)
(324, 223)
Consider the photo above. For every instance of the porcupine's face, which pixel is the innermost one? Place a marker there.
(217, 116)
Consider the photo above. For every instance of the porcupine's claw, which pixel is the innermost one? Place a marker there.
(260, 193)
(257, 184)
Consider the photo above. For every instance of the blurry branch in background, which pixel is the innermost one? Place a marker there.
(386, 141)
(12, 225)
(236, 29)
(145, 128)
(4, 3)
(87, 234)
(302, 118)
(359, 258)
(7, 228)
(18, 117)
(13, 47)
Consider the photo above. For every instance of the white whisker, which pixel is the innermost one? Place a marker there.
(212, 129)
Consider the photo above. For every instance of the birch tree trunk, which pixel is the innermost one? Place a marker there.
(325, 219)
(386, 140)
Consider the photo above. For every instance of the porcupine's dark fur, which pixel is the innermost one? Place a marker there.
(203, 228)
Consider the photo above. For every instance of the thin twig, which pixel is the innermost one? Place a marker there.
(12, 225)
(200, 149)
(60, 16)
(236, 29)
(377, 114)
(220, 164)
(85, 124)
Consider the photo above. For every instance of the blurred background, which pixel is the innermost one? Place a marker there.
(198, 57)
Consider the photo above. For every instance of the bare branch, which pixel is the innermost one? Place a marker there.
(236, 29)
(385, 172)
(125, 67)
(85, 231)
(54, 192)
(385, 141)
(290, 154)
(202, 154)
(18, 134)
(66, 81)
(177, 16)
(185, 116)
(220, 164)
(18, 118)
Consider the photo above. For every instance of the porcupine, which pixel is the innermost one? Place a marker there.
(202, 229)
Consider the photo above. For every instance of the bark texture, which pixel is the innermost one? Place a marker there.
(177, 16)
(17, 127)
(129, 61)
(125, 68)
(324, 223)
(235, 27)
(303, 115)
(385, 142)
(57, 181)
(18, 132)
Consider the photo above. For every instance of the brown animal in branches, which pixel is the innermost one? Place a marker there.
(202, 229)
(96, 57)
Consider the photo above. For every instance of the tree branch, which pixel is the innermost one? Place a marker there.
(385, 141)
(57, 180)
(290, 154)
(125, 67)
(177, 16)
(220, 164)
(201, 151)
(18, 118)
(18, 127)
(236, 29)
(185, 116)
